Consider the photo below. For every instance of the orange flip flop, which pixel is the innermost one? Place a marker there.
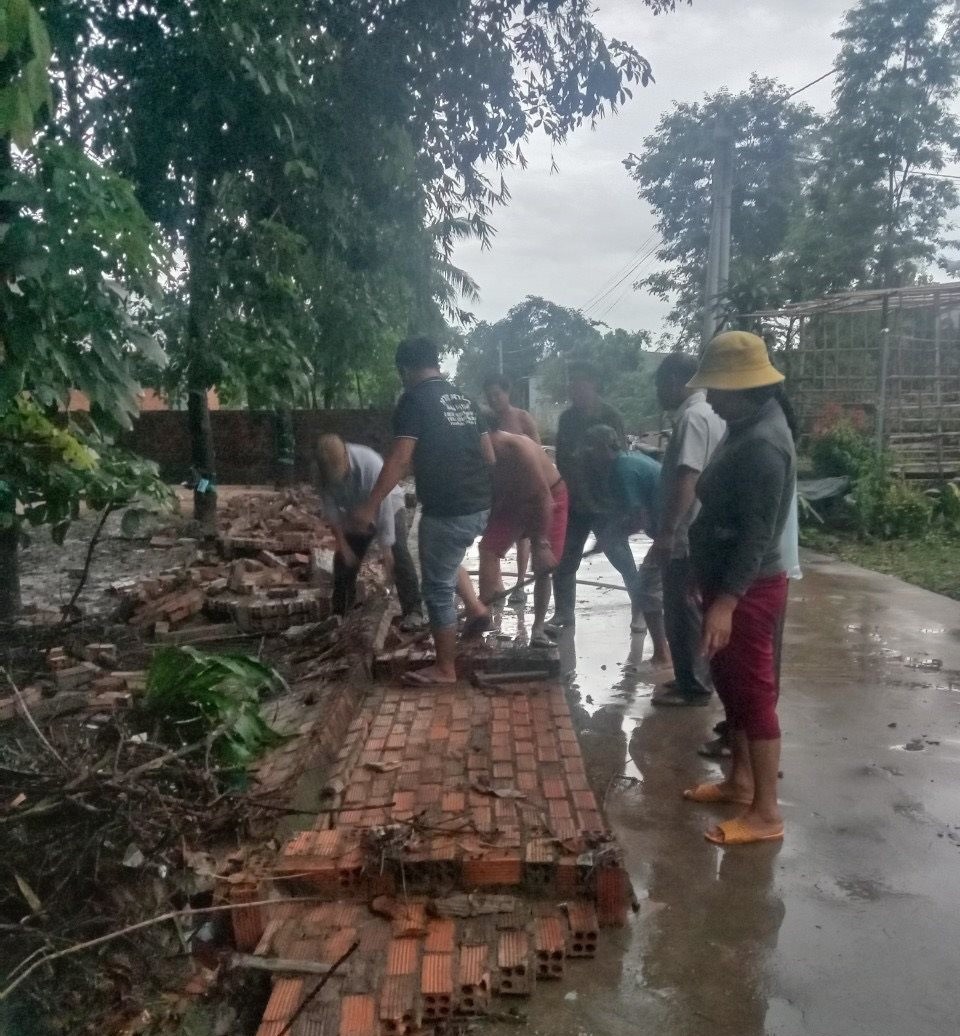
(711, 793)
(736, 832)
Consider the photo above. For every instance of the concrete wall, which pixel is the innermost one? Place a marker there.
(245, 440)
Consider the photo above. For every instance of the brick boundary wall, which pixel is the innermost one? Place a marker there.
(245, 440)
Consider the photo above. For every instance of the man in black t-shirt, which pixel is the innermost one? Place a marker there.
(440, 433)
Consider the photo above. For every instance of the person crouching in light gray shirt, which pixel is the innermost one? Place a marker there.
(347, 472)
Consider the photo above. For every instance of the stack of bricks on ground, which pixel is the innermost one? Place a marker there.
(271, 568)
(462, 848)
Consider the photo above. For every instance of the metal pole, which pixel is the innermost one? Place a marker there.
(937, 384)
(882, 401)
(500, 351)
(718, 258)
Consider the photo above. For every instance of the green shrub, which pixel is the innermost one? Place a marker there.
(193, 694)
(887, 507)
(841, 450)
(946, 508)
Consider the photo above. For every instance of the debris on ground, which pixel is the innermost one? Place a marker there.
(152, 750)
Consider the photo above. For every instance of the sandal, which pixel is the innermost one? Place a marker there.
(736, 832)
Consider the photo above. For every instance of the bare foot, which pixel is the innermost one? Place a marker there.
(429, 677)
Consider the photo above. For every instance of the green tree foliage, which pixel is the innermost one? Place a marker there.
(79, 263)
(874, 218)
(772, 137)
(541, 338)
(365, 130)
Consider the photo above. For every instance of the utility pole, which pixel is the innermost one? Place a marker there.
(500, 351)
(718, 260)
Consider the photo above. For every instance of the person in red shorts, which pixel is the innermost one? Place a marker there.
(529, 501)
(746, 492)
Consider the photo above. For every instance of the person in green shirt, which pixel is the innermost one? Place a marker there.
(632, 487)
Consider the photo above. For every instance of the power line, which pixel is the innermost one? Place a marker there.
(630, 273)
(604, 287)
(813, 82)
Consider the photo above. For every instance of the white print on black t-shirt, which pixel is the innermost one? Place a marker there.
(458, 411)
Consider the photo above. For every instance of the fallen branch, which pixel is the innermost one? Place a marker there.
(33, 723)
(94, 539)
(139, 926)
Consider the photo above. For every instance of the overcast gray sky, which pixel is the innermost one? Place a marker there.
(563, 236)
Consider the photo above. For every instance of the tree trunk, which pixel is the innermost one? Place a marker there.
(284, 446)
(202, 454)
(9, 575)
(202, 457)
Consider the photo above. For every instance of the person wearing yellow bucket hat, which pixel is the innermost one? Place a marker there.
(745, 494)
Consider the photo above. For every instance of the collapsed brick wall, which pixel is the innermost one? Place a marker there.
(245, 440)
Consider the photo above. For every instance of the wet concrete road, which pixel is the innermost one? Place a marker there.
(852, 926)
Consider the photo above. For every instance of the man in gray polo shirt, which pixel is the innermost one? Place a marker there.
(696, 432)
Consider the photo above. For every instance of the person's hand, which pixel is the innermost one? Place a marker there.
(717, 625)
(363, 519)
(348, 557)
(660, 550)
(543, 558)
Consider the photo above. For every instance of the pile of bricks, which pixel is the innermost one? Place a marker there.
(90, 672)
(271, 569)
(414, 972)
(480, 791)
(466, 856)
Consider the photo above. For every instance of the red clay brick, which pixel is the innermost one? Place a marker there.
(559, 809)
(337, 944)
(410, 920)
(585, 800)
(591, 821)
(505, 810)
(547, 753)
(428, 794)
(584, 929)
(403, 957)
(503, 771)
(527, 781)
(399, 1005)
(358, 1016)
(453, 802)
(436, 975)
(613, 896)
(567, 876)
(284, 1000)
(493, 869)
(441, 934)
(515, 976)
(526, 763)
(554, 788)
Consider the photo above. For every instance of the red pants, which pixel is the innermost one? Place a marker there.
(745, 672)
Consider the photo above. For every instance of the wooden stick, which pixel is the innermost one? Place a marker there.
(33, 723)
(277, 965)
(308, 999)
(139, 926)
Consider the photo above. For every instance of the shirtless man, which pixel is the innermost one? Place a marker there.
(519, 422)
(529, 500)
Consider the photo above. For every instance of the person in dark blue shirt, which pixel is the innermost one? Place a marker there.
(633, 481)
